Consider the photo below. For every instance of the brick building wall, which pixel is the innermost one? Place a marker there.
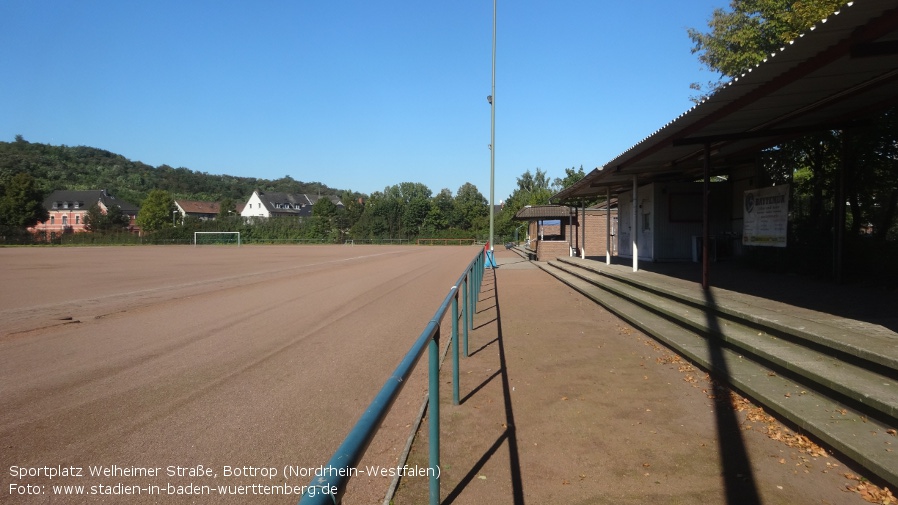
(548, 250)
(596, 228)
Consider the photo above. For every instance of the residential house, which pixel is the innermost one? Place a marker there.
(67, 209)
(198, 209)
(273, 204)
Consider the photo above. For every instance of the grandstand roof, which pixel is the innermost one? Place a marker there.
(841, 70)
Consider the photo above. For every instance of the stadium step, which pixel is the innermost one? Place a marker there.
(834, 384)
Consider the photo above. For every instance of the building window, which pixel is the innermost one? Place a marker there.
(65, 220)
(78, 219)
(52, 220)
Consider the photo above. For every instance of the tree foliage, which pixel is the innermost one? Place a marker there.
(113, 220)
(21, 203)
(571, 176)
(81, 168)
(156, 211)
(742, 36)
(403, 211)
(471, 208)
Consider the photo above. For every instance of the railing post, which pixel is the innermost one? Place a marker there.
(455, 347)
(473, 290)
(434, 417)
(479, 279)
(466, 311)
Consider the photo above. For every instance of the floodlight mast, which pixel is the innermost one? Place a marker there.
(492, 101)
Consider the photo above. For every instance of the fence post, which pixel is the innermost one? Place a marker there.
(479, 280)
(466, 311)
(472, 305)
(455, 347)
(433, 408)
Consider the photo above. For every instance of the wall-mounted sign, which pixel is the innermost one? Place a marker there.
(766, 216)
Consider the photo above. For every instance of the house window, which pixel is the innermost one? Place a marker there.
(78, 219)
(647, 221)
(52, 220)
(65, 220)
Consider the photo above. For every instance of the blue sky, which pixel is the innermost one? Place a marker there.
(355, 94)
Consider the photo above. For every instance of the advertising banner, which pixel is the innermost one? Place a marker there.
(766, 216)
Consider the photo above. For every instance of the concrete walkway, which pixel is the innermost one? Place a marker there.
(562, 402)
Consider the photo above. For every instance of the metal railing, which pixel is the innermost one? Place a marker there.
(330, 484)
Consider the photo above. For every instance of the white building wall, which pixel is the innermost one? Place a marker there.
(643, 229)
(254, 207)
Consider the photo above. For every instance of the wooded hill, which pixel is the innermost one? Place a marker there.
(81, 168)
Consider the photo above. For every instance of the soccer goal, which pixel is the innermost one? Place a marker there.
(216, 238)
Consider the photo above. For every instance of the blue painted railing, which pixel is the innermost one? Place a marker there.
(329, 486)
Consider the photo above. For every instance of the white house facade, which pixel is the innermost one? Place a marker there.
(274, 204)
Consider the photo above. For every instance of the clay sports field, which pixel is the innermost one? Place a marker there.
(149, 366)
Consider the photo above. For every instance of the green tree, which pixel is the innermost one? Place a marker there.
(156, 211)
(471, 207)
(325, 208)
(116, 221)
(411, 201)
(382, 217)
(442, 210)
(227, 208)
(741, 37)
(21, 203)
(322, 225)
(353, 209)
(571, 176)
(113, 220)
(534, 189)
(93, 219)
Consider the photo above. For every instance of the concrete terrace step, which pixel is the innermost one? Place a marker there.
(804, 385)
(861, 384)
(816, 328)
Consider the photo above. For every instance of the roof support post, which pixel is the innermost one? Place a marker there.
(845, 163)
(607, 225)
(634, 233)
(706, 219)
(571, 233)
(583, 230)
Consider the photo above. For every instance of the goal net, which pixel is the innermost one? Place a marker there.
(216, 238)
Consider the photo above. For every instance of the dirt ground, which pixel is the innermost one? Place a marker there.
(561, 402)
(153, 360)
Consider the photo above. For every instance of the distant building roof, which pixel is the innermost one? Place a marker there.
(77, 199)
(198, 207)
(532, 212)
(292, 204)
(834, 73)
(333, 198)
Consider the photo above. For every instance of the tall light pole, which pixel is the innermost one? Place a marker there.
(492, 99)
